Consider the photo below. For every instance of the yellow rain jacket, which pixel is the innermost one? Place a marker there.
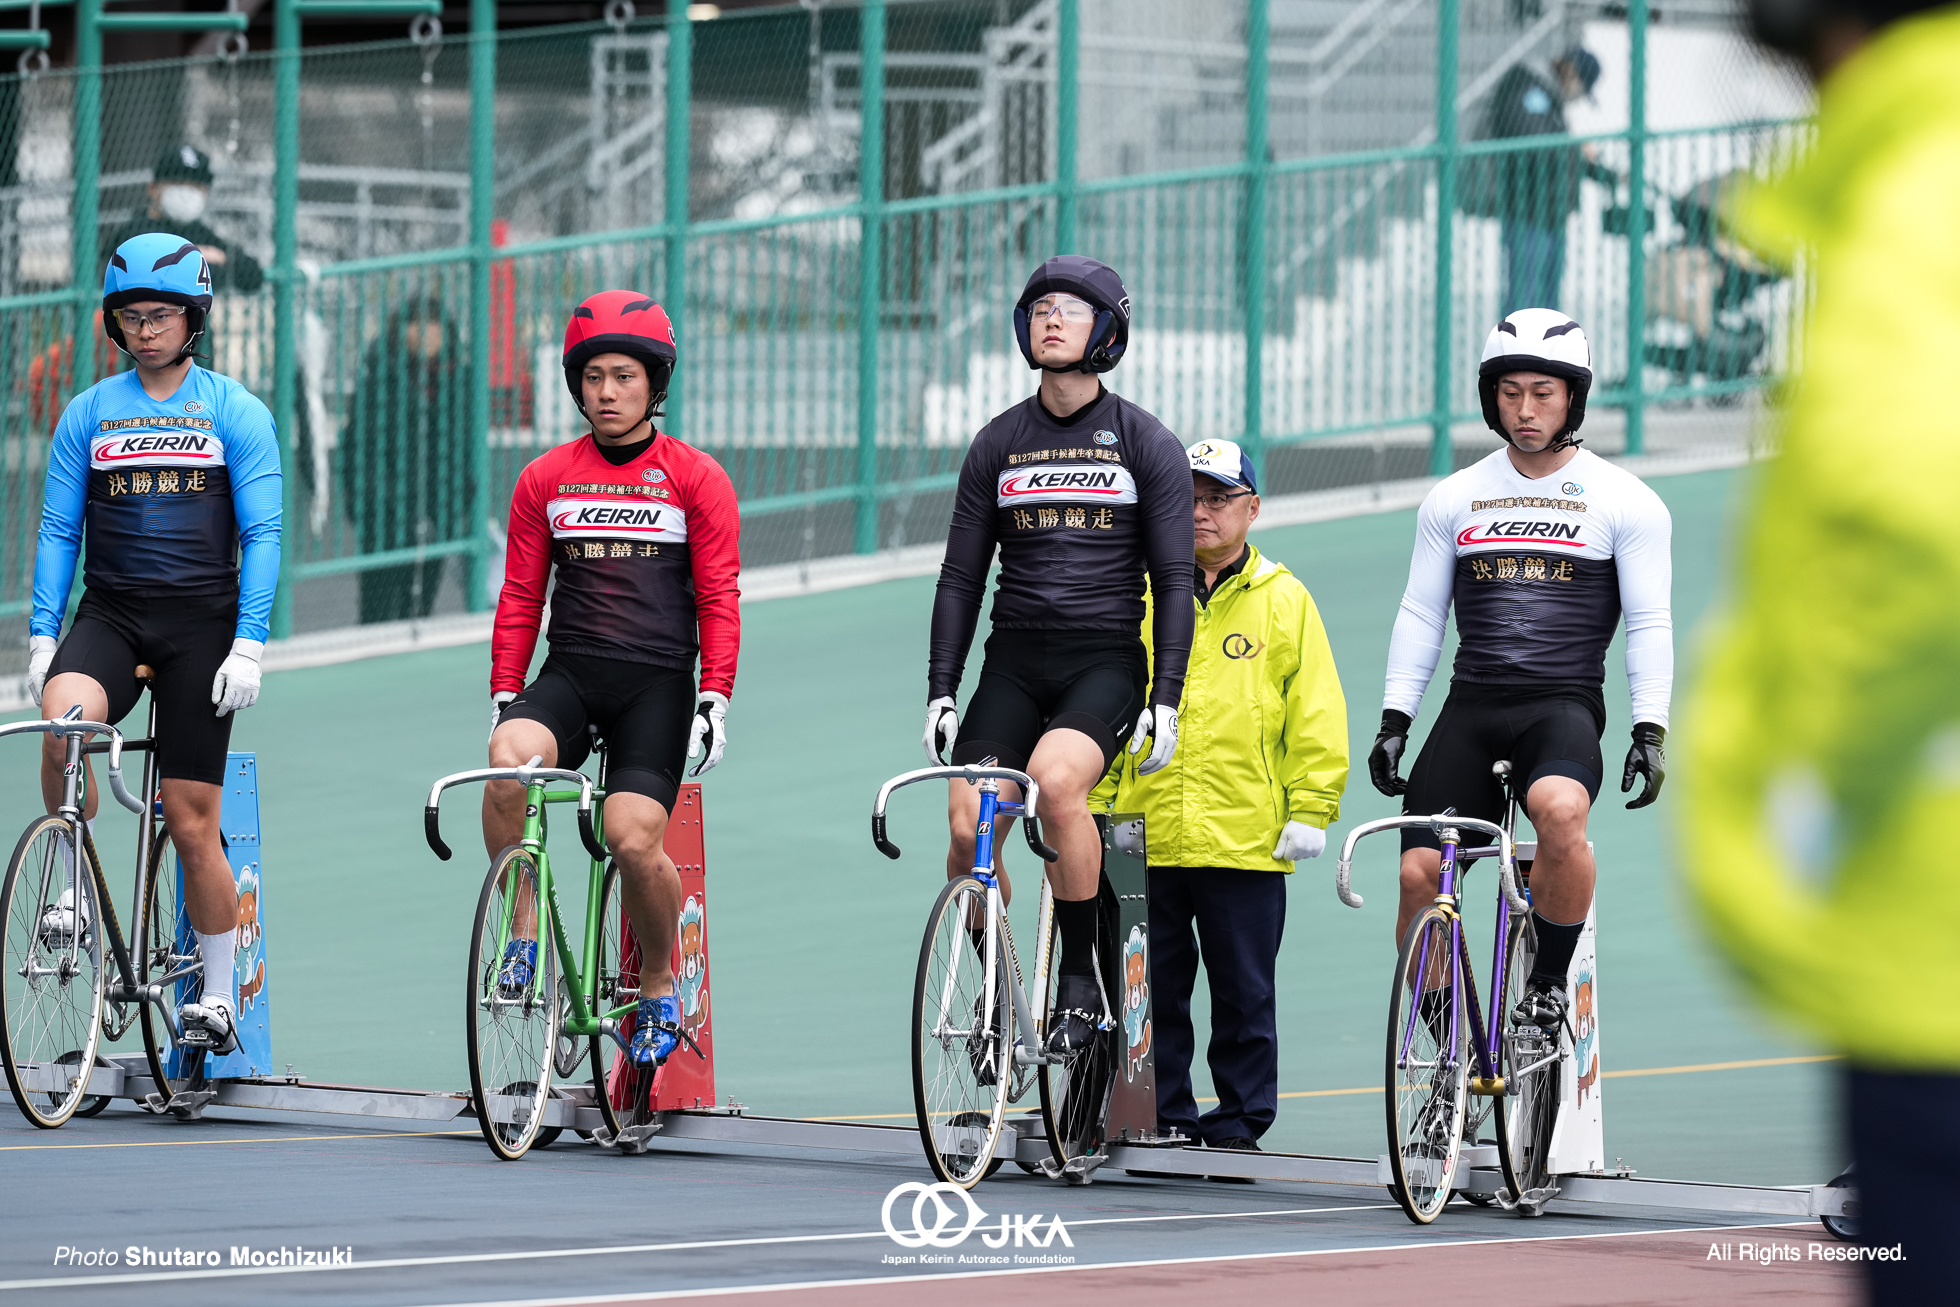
(1820, 750)
(1262, 732)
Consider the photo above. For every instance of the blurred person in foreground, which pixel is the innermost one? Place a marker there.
(179, 195)
(405, 476)
(1824, 759)
(1255, 784)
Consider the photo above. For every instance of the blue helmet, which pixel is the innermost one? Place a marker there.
(157, 266)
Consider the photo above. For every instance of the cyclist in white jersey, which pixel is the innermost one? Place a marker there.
(1541, 547)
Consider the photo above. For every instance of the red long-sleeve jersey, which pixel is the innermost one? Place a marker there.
(648, 556)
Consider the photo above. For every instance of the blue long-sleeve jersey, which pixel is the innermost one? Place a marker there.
(176, 496)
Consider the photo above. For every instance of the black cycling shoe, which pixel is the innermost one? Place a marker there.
(1543, 1005)
(1078, 1011)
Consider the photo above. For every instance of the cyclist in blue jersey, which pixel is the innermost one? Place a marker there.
(171, 473)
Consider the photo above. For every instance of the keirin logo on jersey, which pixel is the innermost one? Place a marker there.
(1067, 485)
(572, 518)
(158, 451)
(1522, 533)
(943, 1215)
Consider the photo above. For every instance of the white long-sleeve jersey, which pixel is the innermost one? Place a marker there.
(1540, 572)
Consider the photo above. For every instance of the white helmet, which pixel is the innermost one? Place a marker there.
(1537, 340)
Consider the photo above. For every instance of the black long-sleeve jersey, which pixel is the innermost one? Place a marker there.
(1081, 510)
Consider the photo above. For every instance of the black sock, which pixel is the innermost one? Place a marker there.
(1075, 920)
(1555, 944)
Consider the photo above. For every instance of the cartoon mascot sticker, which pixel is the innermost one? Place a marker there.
(1585, 1027)
(1136, 1000)
(250, 957)
(692, 977)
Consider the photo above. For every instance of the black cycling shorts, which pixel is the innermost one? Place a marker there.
(183, 638)
(1542, 730)
(1036, 681)
(642, 712)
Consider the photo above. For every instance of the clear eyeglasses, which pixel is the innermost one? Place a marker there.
(155, 319)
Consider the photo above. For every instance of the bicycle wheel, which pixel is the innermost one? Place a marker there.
(50, 977)
(165, 953)
(1533, 1076)
(616, 985)
(1426, 1079)
(960, 1062)
(511, 1033)
(1075, 1095)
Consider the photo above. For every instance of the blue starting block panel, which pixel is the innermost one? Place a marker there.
(238, 819)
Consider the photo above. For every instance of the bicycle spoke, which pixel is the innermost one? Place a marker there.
(50, 975)
(513, 1026)
(957, 1040)
(1427, 1079)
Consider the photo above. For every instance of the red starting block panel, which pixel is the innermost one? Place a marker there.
(686, 1080)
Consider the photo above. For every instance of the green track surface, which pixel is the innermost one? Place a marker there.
(814, 937)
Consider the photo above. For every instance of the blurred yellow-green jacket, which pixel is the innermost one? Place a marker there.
(1821, 759)
(1262, 731)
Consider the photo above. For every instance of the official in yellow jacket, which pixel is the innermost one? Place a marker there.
(1261, 764)
(1821, 760)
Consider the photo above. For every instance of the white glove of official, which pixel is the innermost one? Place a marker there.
(709, 732)
(237, 682)
(942, 728)
(498, 702)
(40, 652)
(1298, 841)
(1158, 725)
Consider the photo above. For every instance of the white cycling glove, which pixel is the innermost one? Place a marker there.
(237, 682)
(1298, 841)
(498, 702)
(709, 735)
(40, 652)
(1158, 725)
(942, 728)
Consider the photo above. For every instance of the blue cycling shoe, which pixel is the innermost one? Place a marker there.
(520, 964)
(655, 1030)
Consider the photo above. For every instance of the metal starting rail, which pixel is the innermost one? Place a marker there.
(571, 1108)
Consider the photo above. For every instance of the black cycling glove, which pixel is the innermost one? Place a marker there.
(1386, 756)
(1645, 758)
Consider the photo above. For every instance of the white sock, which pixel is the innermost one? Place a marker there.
(220, 957)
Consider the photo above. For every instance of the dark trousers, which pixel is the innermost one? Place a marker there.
(1239, 916)
(1905, 1142)
(1534, 266)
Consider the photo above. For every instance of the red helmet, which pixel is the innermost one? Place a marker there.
(620, 322)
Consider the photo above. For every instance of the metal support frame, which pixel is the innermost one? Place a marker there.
(1252, 241)
(680, 86)
(1636, 407)
(1442, 455)
(483, 198)
(871, 224)
(572, 1108)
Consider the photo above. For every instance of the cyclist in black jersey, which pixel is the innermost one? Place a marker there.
(1083, 493)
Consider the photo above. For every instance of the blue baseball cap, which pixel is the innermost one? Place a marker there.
(1223, 460)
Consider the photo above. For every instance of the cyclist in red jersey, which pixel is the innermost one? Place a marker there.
(645, 535)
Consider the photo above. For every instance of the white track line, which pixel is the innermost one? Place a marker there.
(597, 1300)
(464, 1259)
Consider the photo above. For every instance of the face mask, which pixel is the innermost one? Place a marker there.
(181, 203)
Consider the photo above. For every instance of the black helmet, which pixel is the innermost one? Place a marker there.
(1084, 278)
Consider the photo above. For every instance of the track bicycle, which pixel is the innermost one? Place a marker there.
(574, 1005)
(57, 1004)
(978, 1034)
(1442, 1050)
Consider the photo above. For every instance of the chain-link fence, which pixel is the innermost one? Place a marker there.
(1268, 175)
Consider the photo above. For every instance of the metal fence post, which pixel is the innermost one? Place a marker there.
(680, 86)
(871, 192)
(483, 197)
(1442, 456)
(1252, 249)
(1636, 404)
(285, 298)
(84, 275)
(1068, 47)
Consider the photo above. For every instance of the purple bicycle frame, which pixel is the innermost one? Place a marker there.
(1483, 1039)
